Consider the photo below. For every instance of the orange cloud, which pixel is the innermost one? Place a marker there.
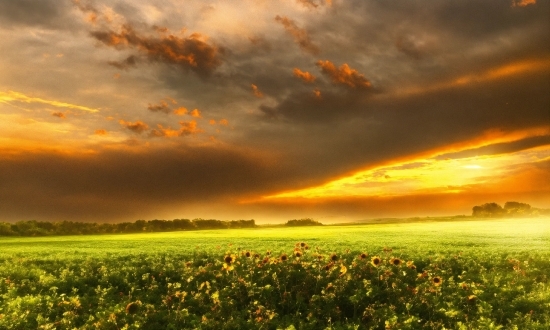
(308, 3)
(189, 127)
(162, 107)
(317, 93)
(256, 91)
(59, 114)
(100, 132)
(344, 75)
(196, 113)
(523, 3)
(181, 111)
(301, 37)
(192, 52)
(305, 76)
(11, 96)
(137, 127)
(223, 122)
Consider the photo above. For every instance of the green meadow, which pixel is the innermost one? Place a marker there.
(462, 274)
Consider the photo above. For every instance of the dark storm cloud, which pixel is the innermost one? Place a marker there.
(500, 148)
(44, 13)
(124, 184)
(191, 52)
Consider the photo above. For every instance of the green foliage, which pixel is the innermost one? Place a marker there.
(302, 222)
(225, 279)
(510, 209)
(44, 228)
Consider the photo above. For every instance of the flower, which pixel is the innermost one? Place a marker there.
(303, 244)
(297, 253)
(395, 261)
(436, 280)
(375, 261)
(247, 254)
(333, 257)
(411, 265)
(363, 255)
(132, 307)
(283, 257)
(343, 270)
(229, 259)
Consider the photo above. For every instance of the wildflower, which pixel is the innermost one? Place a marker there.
(266, 260)
(283, 257)
(229, 259)
(320, 257)
(132, 308)
(303, 244)
(228, 267)
(395, 261)
(247, 254)
(268, 253)
(328, 266)
(411, 265)
(306, 247)
(375, 261)
(472, 299)
(363, 256)
(333, 257)
(436, 280)
(297, 253)
(343, 270)
(256, 256)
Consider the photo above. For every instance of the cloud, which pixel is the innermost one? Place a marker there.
(256, 91)
(136, 127)
(181, 111)
(301, 37)
(161, 107)
(121, 184)
(11, 96)
(101, 132)
(409, 46)
(344, 75)
(195, 113)
(192, 52)
(305, 76)
(187, 128)
(59, 115)
(129, 62)
(523, 3)
(44, 13)
(308, 3)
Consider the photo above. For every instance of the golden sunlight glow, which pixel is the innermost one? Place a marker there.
(424, 174)
(11, 96)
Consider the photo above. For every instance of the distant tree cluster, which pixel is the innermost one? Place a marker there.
(44, 228)
(510, 209)
(302, 222)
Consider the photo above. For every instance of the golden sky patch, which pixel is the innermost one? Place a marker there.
(11, 96)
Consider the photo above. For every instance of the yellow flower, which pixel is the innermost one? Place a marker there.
(436, 280)
(343, 270)
(395, 261)
(375, 261)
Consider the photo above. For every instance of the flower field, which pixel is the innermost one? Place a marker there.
(470, 275)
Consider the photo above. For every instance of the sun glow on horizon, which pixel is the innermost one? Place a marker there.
(424, 175)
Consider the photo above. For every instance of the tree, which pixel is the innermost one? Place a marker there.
(488, 210)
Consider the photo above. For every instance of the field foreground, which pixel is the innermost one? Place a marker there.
(490, 274)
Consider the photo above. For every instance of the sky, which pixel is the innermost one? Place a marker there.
(118, 110)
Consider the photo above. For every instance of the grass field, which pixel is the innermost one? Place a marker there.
(459, 275)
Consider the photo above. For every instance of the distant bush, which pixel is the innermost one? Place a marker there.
(303, 222)
(510, 209)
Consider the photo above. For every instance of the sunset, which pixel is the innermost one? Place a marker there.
(113, 110)
(274, 164)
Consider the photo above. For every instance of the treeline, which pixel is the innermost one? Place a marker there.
(44, 228)
(302, 222)
(510, 209)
